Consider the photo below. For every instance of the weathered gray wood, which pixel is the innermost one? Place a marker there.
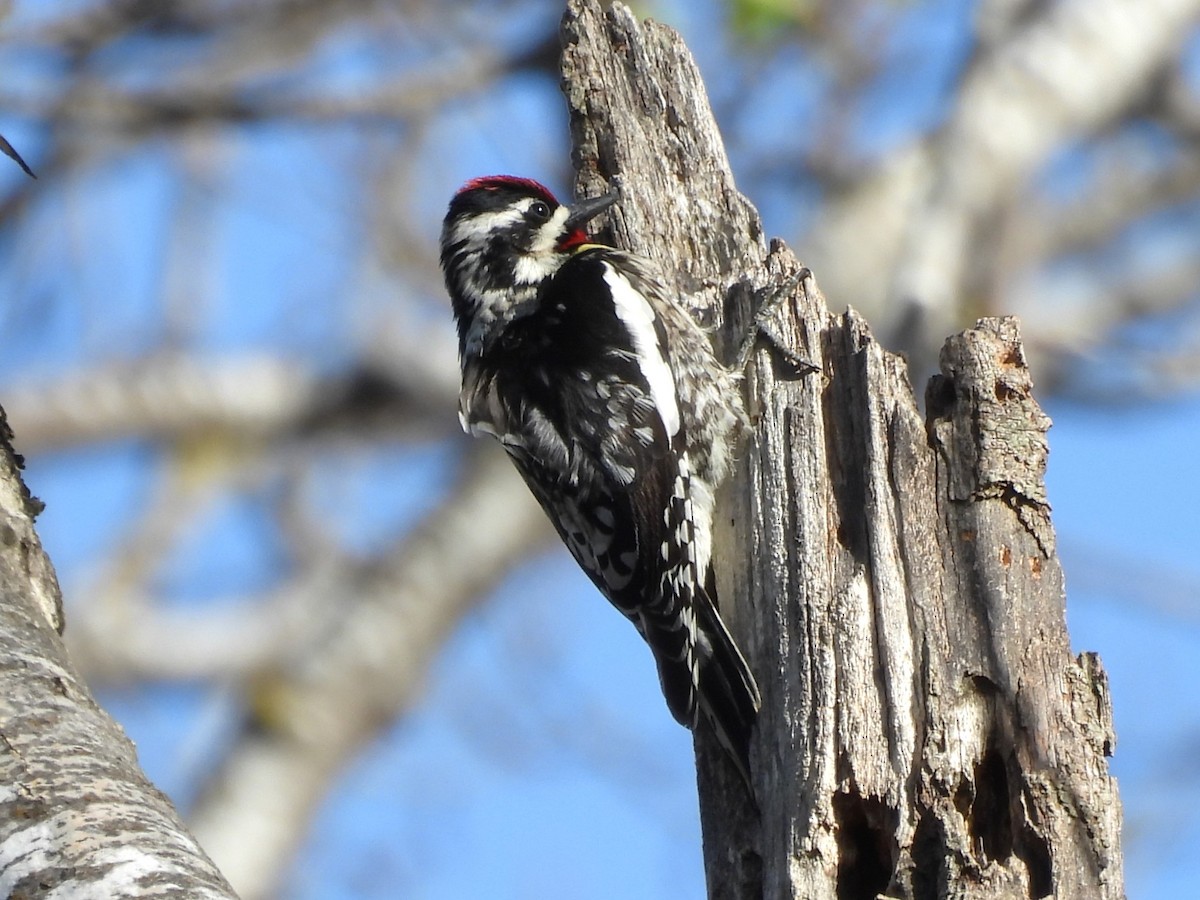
(925, 730)
(77, 817)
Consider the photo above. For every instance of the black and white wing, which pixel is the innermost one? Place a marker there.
(583, 397)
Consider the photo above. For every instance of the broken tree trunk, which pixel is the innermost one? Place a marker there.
(925, 731)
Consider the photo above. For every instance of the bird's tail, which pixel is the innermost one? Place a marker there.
(717, 683)
(729, 694)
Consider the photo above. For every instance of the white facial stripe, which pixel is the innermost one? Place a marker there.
(536, 264)
(543, 258)
(634, 310)
(548, 235)
(534, 269)
(478, 228)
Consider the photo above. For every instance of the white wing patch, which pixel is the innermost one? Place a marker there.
(634, 310)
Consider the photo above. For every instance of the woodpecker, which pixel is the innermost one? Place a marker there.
(607, 396)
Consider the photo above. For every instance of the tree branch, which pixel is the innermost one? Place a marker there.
(255, 398)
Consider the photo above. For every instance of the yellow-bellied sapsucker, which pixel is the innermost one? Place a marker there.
(608, 398)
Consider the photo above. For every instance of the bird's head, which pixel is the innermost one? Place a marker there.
(501, 239)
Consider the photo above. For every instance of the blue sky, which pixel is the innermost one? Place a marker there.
(1123, 490)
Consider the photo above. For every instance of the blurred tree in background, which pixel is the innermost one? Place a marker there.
(229, 361)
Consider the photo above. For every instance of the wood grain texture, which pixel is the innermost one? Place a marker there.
(926, 731)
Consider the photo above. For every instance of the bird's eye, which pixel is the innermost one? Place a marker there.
(540, 209)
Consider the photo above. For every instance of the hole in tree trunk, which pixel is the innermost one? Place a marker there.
(990, 822)
(929, 880)
(1035, 853)
(866, 836)
(994, 831)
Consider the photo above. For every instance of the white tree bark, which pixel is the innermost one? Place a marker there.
(78, 819)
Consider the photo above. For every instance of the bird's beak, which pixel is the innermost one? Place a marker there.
(586, 210)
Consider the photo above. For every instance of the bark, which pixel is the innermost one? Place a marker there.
(925, 731)
(78, 819)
